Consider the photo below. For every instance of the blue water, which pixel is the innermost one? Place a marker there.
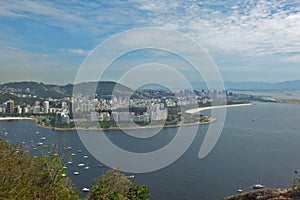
(259, 142)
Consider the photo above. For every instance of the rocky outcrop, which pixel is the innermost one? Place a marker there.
(268, 194)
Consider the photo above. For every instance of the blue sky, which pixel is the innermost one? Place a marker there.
(248, 40)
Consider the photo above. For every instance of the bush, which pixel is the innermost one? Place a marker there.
(23, 176)
(115, 186)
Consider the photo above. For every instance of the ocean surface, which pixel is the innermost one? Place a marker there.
(272, 93)
(260, 142)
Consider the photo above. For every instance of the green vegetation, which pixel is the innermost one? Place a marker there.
(23, 176)
(296, 182)
(107, 124)
(115, 186)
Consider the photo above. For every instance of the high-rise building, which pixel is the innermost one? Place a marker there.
(19, 110)
(46, 106)
(37, 103)
(64, 105)
(71, 107)
(10, 106)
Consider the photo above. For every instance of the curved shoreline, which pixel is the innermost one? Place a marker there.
(190, 111)
(211, 120)
(196, 110)
(16, 118)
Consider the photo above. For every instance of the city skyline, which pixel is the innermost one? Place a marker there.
(248, 40)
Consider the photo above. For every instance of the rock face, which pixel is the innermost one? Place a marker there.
(268, 194)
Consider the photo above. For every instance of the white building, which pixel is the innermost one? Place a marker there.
(64, 105)
(158, 112)
(46, 106)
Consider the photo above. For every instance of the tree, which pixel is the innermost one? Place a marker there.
(115, 186)
(23, 176)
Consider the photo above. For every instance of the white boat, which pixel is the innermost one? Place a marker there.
(240, 190)
(40, 144)
(100, 165)
(73, 154)
(43, 138)
(85, 189)
(85, 157)
(86, 167)
(76, 173)
(37, 132)
(69, 148)
(130, 176)
(70, 163)
(81, 165)
(258, 186)
(79, 150)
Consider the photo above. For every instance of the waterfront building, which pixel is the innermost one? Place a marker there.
(62, 117)
(64, 105)
(46, 106)
(10, 106)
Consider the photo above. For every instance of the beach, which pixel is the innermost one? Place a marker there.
(16, 118)
(195, 110)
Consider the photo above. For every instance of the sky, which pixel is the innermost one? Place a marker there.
(248, 40)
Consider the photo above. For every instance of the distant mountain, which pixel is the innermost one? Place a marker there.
(286, 85)
(42, 90)
(103, 88)
(253, 85)
(34, 89)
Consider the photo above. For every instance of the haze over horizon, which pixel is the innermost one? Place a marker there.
(248, 40)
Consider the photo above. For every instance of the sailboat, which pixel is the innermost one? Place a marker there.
(86, 166)
(258, 186)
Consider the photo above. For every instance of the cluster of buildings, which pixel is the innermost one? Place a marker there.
(112, 108)
(154, 112)
(39, 108)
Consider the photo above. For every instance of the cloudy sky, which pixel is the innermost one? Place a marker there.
(248, 40)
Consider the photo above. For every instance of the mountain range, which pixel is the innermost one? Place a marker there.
(105, 87)
(253, 85)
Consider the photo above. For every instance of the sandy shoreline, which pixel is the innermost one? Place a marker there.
(195, 110)
(16, 118)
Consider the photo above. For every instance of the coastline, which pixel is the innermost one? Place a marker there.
(16, 118)
(196, 110)
(190, 111)
(211, 120)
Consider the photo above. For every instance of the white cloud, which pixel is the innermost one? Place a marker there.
(254, 28)
(79, 51)
(231, 31)
(263, 27)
